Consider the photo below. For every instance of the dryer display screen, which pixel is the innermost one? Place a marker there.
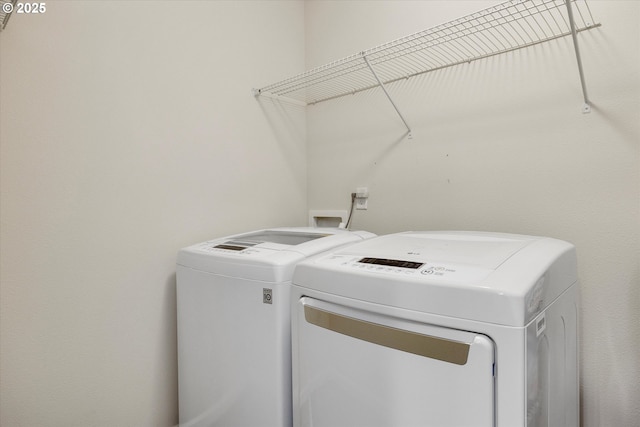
(392, 262)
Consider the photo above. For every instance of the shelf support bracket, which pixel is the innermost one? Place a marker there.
(366, 60)
(586, 108)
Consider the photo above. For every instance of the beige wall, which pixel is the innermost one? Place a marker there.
(128, 130)
(501, 144)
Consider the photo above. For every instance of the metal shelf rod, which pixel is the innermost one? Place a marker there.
(586, 108)
(384, 89)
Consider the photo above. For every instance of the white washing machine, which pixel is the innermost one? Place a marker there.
(234, 341)
(437, 329)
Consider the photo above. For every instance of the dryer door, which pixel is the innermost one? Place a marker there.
(355, 368)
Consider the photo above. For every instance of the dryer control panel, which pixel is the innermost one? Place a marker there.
(425, 269)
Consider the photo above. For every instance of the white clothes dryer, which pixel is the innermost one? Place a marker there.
(234, 341)
(437, 329)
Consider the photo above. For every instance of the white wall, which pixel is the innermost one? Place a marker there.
(128, 130)
(500, 144)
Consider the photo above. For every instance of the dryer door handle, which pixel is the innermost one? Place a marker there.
(399, 339)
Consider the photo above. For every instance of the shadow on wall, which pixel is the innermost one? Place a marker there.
(286, 120)
(170, 344)
(622, 128)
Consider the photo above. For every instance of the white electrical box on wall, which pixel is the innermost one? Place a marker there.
(362, 197)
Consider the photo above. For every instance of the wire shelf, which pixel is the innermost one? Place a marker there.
(508, 26)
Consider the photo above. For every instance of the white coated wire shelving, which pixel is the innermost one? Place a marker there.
(512, 25)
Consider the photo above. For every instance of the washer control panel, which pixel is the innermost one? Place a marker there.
(233, 247)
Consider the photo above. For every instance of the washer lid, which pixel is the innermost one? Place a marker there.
(281, 237)
(267, 254)
(493, 277)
